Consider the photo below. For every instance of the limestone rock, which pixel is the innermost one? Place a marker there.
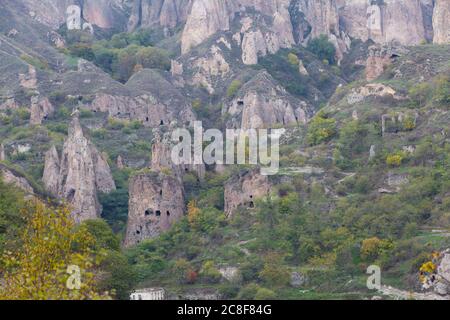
(2, 153)
(81, 172)
(9, 176)
(9, 104)
(205, 19)
(243, 191)
(103, 13)
(441, 22)
(302, 69)
(52, 171)
(164, 13)
(210, 69)
(262, 103)
(156, 203)
(54, 13)
(29, 80)
(358, 95)
(41, 109)
(120, 163)
(401, 21)
(162, 157)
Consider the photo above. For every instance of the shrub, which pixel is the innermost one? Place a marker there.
(210, 273)
(321, 129)
(265, 294)
(233, 88)
(372, 248)
(394, 160)
(293, 59)
(323, 48)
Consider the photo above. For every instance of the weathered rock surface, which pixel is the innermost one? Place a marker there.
(156, 203)
(156, 102)
(262, 103)
(41, 109)
(205, 19)
(164, 13)
(441, 22)
(243, 191)
(402, 21)
(2, 153)
(52, 13)
(9, 176)
(78, 174)
(162, 157)
(358, 95)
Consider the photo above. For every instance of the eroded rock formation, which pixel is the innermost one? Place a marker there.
(2, 153)
(244, 190)
(156, 202)
(164, 13)
(41, 109)
(78, 174)
(262, 103)
(9, 176)
(441, 22)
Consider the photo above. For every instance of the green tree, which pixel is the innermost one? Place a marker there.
(321, 129)
(322, 48)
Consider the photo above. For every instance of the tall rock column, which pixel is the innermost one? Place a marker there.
(156, 203)
(78, 174)
(441, 22)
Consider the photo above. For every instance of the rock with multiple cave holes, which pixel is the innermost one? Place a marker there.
(156, 203)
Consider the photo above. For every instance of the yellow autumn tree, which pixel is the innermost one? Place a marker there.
(49, 248)
(193, 213)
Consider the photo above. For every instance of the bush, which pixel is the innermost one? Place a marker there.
(248, 292)
(150, 57)
(394, 160)
(265, 294)
(293, 59)
(233, 88)
(323, 48)
(209, 273)
(321, 129)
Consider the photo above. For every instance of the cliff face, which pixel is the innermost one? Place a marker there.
(156, 202)
(78, 174)
(53, 13)
(262, 103)
(441, 22)
(165, 13)
(244, 191)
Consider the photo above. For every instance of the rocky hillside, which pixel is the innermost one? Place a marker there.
(90, 92)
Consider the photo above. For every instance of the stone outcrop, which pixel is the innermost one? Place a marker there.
(262, 103)
(9, 104)
(41, 109)
(156, 203)
(438, 281)
(153, 100)
(9, 176)
(162, 157)
(358, 95)
(164, 13)
(2, 153)
(380, 57)
(255, 36)
(441, 22)
(244, 190)
(29, 80)
(78, 174)
(210, 69)
(402, 21)
(102, 13)
(205, 19)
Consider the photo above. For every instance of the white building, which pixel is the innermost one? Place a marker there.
(149, 294)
